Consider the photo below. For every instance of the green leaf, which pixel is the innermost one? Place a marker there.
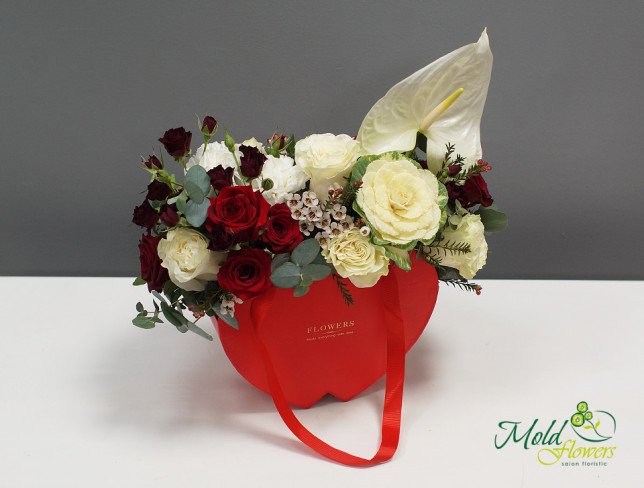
(300, 291)
(143, 322)
(278, 260)
(197, 183)
(173, 316)
(192, 327)
(288, 275)
(139, 307)
(138, 281)
(181, 202)
(399, 257)
(316, 272)
(306, 282)
(305, 252)
(232, 321)
(196, 213)
(493, 220)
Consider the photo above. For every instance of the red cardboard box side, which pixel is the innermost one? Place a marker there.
(321, 345)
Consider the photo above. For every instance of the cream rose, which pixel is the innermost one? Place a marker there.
(190, 264)
(216, 154)
(469, 229)
(400, 200)
(354, 256)
(326, 159)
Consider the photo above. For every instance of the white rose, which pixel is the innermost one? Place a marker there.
(400, 200)
(286, 178)
(354, 256)
(216, 154)
(327, 159)
(469, 229)
(190, 264)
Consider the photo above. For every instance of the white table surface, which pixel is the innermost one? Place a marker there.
(88, 400)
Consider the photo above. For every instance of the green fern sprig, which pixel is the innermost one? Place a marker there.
(451, 247)
(463, 285)
(342, 286)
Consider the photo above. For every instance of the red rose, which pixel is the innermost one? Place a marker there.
(282, 232)
(246, 273)
(158, 191)
(151, 270)
(473, 192)
(176, 142)
(240, 210)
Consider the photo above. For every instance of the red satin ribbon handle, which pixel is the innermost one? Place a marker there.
(393, 390)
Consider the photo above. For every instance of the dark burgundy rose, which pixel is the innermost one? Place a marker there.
(282, 232)
(221, 177)
(145, 216)
(238, 209)
(473, 192)
(208, 126)
(176, 142)
(220, 238)
(251, 162)
(158, 191)
(153, 162)
(151, 270)
(169, 215)
(246, 273)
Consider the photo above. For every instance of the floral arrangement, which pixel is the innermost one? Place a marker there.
(287, 213)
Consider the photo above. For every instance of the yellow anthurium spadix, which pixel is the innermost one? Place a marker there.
(444, 101)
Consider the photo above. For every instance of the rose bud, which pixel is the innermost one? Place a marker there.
(177, 142)
(221, 177)
(251, 161)
(277, 137)
(169, 215)
(453, 169)
(208, 126)
(153, 163)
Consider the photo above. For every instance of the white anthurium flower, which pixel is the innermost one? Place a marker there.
(444, 101)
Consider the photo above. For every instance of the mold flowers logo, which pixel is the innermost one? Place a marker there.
(583, 439)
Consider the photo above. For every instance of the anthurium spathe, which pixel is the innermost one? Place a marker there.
(444, 101)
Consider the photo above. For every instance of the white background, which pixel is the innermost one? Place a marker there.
(87, 399)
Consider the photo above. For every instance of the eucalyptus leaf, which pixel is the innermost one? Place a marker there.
(139, 307)
(143, 322)
(306, 282)
(194, 191)
(278, 260)
(300, 291)
(232, 321)
(316, 272)
(173, 316)
(305, 252)
(196, 213)
(198, 176)
(192, 327)
(158, 296)
(181, 202)
(138, 281)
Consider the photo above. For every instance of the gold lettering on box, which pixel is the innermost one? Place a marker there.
(332, 330)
